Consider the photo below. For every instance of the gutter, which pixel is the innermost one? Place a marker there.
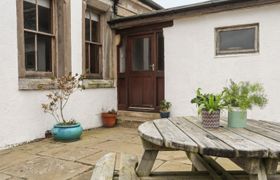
(176, 10)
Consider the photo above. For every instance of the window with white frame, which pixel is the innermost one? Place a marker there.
(237, 39)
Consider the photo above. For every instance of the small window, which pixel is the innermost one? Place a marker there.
(93, 46)
(38, 35)
(237, 39)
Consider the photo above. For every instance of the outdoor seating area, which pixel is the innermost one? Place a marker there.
(49, 159)
(140, 90)
(255, 149)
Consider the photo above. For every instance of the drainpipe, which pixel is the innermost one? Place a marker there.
(115, 7)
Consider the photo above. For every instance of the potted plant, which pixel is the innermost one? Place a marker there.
(239, 97)
(209, 106)
(165, 109)
(109, 118)
(63, 88)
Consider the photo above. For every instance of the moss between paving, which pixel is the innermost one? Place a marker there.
(52, 160)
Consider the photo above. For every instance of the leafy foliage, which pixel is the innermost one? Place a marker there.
(58, 98)
(208, 102)
(244, 95)
(112, 111)
(165, 106)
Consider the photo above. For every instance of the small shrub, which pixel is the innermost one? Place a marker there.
(58, 98)
(165, 106)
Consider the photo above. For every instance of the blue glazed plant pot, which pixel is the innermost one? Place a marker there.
(164, 114)
(67, 133)
(237, 118)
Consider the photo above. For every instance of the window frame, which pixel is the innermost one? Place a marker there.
(86, 43)
(23, 73)
(237, 51)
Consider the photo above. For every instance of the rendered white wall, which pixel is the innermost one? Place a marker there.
(191, 61)
(88, 104)
(21, 116)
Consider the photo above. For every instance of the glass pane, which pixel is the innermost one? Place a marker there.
(44, 15)
(44, 54)
(94, 59)
(29, 15)
(87, 21)
(237, 39)
(87, 58)
(160, 41)
(122, 55)
(29, 46)
(95, 31)
(141, 54)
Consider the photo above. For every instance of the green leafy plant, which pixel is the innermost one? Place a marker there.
(208, 102)
(165, 106)
(112, 111)
(59, 96)
(244, 95)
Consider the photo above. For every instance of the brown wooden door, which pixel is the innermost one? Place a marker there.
(141, 72)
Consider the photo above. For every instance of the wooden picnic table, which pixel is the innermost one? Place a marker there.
(256, 148)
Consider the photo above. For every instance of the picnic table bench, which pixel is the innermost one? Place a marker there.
(256, 149)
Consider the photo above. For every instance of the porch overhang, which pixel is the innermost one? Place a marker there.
(197, 9)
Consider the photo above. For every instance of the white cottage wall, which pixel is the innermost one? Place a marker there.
(191, 61)
(88, 104)
(21, 116)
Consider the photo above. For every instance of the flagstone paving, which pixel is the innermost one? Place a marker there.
(50, 160)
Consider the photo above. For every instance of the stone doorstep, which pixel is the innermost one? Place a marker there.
(130, 119)
(144, 115)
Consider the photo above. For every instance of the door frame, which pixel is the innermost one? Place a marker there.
(143, 74)
(123, 78)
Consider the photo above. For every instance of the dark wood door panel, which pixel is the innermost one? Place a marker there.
(160, 90)
(122, 93)
(148, 92)
(139, 92)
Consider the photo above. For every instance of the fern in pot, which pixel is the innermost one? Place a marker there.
(239, 97)
(209, 106)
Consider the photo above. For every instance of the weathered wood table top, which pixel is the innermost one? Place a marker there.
(259, 141)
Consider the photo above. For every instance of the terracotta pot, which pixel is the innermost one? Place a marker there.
(109, 119)
(210, 120)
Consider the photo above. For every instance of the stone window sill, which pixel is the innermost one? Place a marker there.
(98, 83)
(34, 84)
(39, 84)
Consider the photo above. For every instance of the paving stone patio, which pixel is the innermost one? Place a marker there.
(50, 160)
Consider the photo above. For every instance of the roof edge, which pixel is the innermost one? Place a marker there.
(152, 4)
(172, 13)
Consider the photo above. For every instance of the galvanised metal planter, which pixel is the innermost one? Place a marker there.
(237, 118)
(210, 120)
(67, 132)
(164, 114)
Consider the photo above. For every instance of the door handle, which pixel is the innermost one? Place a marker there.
(153, 67)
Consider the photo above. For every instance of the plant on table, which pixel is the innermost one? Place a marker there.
(58, 98)
(165, 109)
(239, 97)
(109, 118)
(209, 106)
